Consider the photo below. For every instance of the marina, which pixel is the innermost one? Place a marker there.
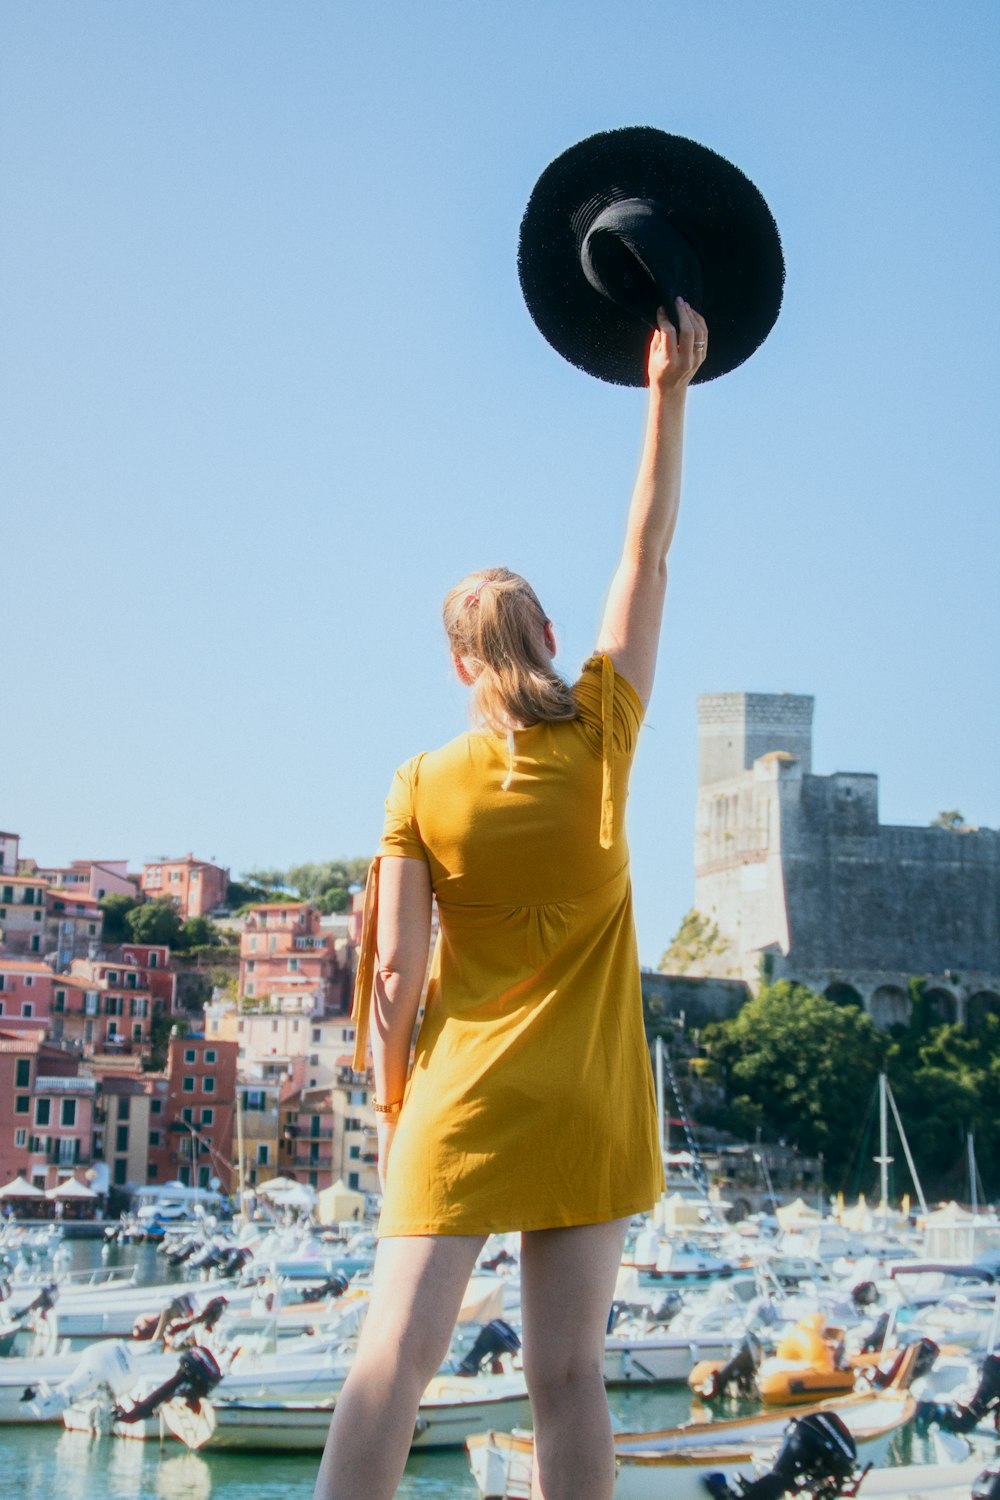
(89, 1410)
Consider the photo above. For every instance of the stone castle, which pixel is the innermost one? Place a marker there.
(804, 883)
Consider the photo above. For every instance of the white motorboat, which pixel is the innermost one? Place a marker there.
(674, 1460)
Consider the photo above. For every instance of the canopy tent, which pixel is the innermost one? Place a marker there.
(20, 1188)
(339, 1202)
(71, 1189)
(797, 1214)
(275, 1186)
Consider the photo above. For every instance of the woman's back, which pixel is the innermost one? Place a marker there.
(519, 821)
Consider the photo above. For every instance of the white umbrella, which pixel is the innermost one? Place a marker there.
(276, 1186)
(71, 1189)
(20, 1188)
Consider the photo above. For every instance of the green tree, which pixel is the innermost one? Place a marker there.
(156, 922)
(953, 820)
(800, 1066)
(115, 909)
(696, 946)
(198, 932)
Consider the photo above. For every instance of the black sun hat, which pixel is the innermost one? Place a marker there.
(626, 221)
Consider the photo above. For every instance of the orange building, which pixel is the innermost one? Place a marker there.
(193, 885)
(25, 993)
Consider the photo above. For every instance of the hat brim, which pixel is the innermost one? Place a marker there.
(718, 210)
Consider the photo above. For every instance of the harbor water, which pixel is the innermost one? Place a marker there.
(48, 1463)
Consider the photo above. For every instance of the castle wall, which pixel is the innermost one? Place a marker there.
(797, 869)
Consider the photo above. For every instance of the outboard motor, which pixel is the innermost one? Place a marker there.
(817, 1454)
(986, 1486)
(874, 1340)
(335, 1285)
(152, 1326)
(667, 1308)
(492, 1340)
(233, 1259)
(502, 1258)
(206, 1320)
(196, 1375)
(865, 1294)
(736, 1378)
(107, 1364)
(958, 1418)
(910, 1363)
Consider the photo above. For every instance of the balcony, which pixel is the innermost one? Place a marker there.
(321, 1160)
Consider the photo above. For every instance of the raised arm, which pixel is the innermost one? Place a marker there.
(630, 630)
(404, 926)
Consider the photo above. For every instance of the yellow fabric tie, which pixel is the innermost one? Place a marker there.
(364, 980)
(607, 752)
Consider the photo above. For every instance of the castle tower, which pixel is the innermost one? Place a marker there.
(734, 729)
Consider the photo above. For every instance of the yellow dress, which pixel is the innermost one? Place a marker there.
(530, 1104)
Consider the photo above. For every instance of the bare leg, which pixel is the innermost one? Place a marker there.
(567, 1285)
(418, 1286)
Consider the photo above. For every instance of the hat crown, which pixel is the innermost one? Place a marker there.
(633, 255)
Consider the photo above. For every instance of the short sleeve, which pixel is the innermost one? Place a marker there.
(400, 831)
(627, 712)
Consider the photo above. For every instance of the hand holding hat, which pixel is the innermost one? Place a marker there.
(627, 221)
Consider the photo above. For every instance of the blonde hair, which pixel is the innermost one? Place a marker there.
(495, 622)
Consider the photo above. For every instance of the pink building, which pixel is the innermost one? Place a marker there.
(96, 878)
(193, 885)
(288, 963)
(26, 1061)
(61, 1138)
(25, 993)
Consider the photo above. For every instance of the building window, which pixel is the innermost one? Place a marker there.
(317, 1034)
(36, 943)
(121, 1138)
(20, 1137)
(154, 959)
(22, 1079)
(152, 1170)
(22, 1104)
(263, 1153)
(137, 1031)
(355, 1153)
(208, 1085)
(210, 1055)
(208, 1117)
(187, 1115)
(154, 1137)
(293, 966)
(249, 989)
(43, 1111)
(112, 976)
(187, 1085)
(121, 1172)
(68, 1113)
(156, 1107)
(60, 1001)
(92, 929)
(190, 1055)
(26, 1008)
(29, 981)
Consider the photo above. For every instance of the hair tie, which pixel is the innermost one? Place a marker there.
(472, 598)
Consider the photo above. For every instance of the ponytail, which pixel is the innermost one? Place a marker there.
(495, 623)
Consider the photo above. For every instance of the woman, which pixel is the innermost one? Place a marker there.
(530, 1104)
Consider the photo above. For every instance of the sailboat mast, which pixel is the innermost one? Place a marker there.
(971, 1141)
(883, 1157)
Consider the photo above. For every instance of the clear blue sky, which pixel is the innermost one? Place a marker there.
(269, 388)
